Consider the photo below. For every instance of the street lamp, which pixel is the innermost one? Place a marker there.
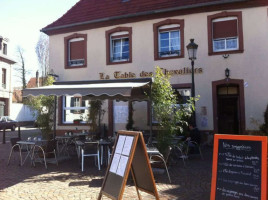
(192, 51)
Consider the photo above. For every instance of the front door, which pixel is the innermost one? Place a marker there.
(228, 106)
(228, 118)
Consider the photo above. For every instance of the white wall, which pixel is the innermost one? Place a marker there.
(21, 112)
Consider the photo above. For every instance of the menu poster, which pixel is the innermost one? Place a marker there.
(120, 144)
(122, 166)
(115, 163)
(127, 145)
(240, 169)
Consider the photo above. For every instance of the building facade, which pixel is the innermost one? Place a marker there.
(128, 39)
(6, 68)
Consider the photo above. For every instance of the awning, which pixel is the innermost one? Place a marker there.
(134, 89)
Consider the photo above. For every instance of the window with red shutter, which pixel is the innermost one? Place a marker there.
(75, 51)
(225, 34)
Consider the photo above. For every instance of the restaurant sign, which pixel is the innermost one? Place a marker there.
(144, 74)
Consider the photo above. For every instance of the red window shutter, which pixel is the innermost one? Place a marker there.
(77, 50)
(224, 29)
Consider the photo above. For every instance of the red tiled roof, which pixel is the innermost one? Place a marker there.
(32, 82)
(93, 10)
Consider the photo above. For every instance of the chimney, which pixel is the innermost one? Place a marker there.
(37, 79)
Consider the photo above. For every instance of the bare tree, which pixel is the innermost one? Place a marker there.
(21, 69)
(42, 52)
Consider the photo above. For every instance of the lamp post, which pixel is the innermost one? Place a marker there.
(192, 50)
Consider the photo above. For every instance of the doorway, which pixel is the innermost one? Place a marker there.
(228, 106)
(228, 118)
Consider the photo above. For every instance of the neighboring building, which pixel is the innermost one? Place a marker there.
(6, 68)
(127, 39)
(17, 95)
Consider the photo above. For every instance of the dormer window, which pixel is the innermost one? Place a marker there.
(76, 51)
(118, 44)
(169, 39)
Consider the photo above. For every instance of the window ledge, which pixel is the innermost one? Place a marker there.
(75, 67)
(226, 52)
(72, 124)
(168, 57)
(118, 62)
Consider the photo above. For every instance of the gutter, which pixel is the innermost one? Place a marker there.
(219, 2)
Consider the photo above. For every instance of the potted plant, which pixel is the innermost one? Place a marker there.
(77, 121)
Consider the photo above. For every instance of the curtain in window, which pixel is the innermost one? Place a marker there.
(116, 49)
(174, 40)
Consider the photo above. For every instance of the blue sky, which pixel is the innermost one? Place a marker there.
(21, 21)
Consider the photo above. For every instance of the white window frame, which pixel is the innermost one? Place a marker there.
(225, 39)
(64, 108)
(162, 30)
(81, 61)
(123, 33)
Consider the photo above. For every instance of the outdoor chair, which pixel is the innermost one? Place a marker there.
(180, 151)
(91, 149)
(159, 160)
(46, 153)
(194, 147)
(17, 148)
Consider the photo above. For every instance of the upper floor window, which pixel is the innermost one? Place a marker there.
(119, 45)
(4, 78)
(75, 51)
(225, 33)
(4, 48)
(169, 39)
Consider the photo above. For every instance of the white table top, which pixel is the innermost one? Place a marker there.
(31, 142)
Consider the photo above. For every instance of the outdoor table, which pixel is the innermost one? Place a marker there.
(31, 145)
(65, 140)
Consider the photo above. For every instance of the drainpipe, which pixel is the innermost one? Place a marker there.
(37, 79)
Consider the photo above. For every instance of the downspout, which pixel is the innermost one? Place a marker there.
(151, 117)
(54, 117)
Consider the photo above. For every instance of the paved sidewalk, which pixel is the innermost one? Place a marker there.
(66, 181)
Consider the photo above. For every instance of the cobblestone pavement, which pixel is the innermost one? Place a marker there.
(66, 181)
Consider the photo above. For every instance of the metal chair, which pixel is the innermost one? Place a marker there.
(193, 145)
(91, 149)
(15, 147)
(46, 152)
(160, 159)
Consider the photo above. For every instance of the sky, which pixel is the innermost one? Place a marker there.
(21, 22)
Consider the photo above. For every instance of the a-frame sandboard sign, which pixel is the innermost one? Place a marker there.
(129, 154)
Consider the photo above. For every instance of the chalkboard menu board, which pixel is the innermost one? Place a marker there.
(239, 168)
(129, 154)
